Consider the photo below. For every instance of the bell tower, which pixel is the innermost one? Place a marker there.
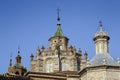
(58, 38)
(17, 68)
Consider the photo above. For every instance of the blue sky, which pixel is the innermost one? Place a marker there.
(30, 23)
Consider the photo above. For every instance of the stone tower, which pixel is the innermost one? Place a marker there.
(17, 68)
(101, 40)
(59, 56)
(58, 38)
(102, 66)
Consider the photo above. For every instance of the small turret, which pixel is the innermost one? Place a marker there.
(71, 48)
(31, 57)
(58, 37)
(85, 55)
(43, 48)
(38, 52)
(74, 51)
(18, 58)
(80, 53)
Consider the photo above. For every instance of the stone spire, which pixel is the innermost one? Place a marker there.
(101, 40)
(101, 30)
(58, 30)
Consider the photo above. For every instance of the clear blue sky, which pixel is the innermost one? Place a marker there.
(30, 23)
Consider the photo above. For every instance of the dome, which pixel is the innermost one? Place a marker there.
(18, 65)
(103, 59)
(101, 33)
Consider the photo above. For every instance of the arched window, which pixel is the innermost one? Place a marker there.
(49, 66)
(64, 65)
(22, 74)
(17, 73)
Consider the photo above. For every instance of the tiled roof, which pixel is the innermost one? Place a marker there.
(103, 59)
(18, 65)
(58, 32)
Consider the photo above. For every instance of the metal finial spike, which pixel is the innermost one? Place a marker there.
(10, 60)
(18, 50)
(101, 26)
(11, 56)
(58, 10)
(100, 23)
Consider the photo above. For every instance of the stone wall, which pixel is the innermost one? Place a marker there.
(101, 73)
(45, 79)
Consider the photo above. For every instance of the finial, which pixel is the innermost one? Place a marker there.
(100, 26)
(58, 10)
(11, 59)
(11, 56)
(18, 50)
(38, 51)
(31, 57)
(43, 48)
(100, 23)
(86, 56)
(104, 61)
(85, 53)
(79, 51)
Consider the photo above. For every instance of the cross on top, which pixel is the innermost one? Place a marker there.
(18, 50)
(58, 10)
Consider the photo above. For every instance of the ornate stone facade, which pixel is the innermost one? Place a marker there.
(63, 62)
(58, 57)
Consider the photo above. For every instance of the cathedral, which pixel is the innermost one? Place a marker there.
(63, 62)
